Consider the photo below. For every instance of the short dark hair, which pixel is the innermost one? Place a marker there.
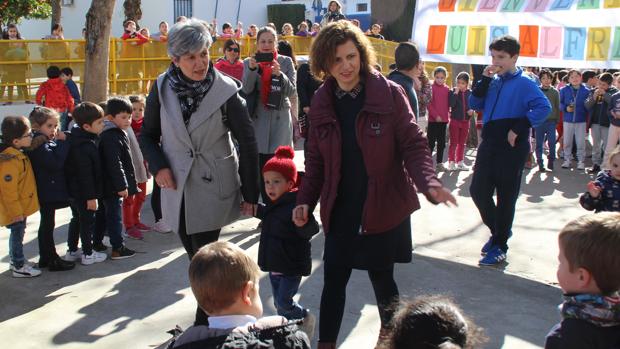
(67, 71)
(545, 71)
(432, 322)
(137, 99)
(507, 44)
(53, 72)
(406, 55)
(592, 242)
(117, 105)
(86, 113)
(464, 76)
(587, 75)
(226, 26)
(606, 77)
(39, 115)
(13, 127)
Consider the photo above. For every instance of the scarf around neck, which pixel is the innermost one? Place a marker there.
(265, 78)
(599, 310)
(190, 92)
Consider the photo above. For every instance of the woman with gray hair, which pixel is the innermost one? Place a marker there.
(190, 113)
(269, 80)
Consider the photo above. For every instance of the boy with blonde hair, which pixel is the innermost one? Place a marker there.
(589, 275)
(224, 280)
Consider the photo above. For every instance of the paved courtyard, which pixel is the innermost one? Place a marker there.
(131, 303)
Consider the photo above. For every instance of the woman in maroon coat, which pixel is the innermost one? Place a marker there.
(363, 157)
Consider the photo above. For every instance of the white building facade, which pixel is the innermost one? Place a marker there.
(154, 11)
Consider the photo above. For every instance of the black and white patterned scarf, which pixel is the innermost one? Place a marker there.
(190, 92)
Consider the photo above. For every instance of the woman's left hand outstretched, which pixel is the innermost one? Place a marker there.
(442, 195)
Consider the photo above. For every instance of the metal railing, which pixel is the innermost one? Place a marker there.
(132, 67)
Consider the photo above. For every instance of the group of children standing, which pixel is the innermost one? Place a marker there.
(96, 169)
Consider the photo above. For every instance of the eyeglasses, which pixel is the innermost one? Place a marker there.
(29, 134)
(229, 49)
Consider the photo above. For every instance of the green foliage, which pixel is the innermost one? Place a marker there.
(280, 14)
(14, 11)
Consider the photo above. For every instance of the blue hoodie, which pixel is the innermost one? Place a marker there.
(569, 95)
(511, 98)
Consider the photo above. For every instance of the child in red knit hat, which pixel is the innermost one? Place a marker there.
(284, 249)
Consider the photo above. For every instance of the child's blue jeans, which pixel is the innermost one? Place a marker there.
(16, 243)
(547, 129)
(284, 287)
(114, 221)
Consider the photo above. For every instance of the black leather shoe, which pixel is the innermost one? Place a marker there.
(60, 265)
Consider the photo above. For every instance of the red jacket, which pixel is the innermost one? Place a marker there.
(232, 69)
(439, 107)
(55, 95)
(394, 148)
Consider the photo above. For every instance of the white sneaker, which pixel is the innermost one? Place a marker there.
(161, 227)
(461, 166)
(26, 271)
(73, 256)
(451, 166)
(566, 164)
(95, 257)
(581, 166)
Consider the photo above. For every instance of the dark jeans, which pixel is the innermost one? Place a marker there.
(16, 243)
(284, 288)
(436, 133)
(86, 223)
(114, 221)
(333, 298)
(99, 223)
(498, 169)
(262, 160)
(192, 243)
(45, 237)
(156, 201)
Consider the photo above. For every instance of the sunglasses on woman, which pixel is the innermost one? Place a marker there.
(229, 49)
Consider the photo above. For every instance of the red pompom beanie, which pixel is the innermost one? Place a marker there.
(283, 163)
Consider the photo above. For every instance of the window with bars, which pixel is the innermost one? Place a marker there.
(183, 8)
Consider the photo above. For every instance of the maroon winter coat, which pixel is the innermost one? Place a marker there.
(394, 148)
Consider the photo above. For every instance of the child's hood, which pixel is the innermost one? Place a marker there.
(38, 140)
(602, 311)
(108, 125)
(8, 153)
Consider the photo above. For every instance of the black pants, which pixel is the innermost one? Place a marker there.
(192, 243)
(333, 298)
(498, 169)
(262, 160)
(86, 224)
(437, 134)
(156, 201)
(45, 236)
(100, 226)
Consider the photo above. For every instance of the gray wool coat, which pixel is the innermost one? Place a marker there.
(272, 127)
(201, 157)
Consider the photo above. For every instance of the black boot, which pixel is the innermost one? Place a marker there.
(58, 264)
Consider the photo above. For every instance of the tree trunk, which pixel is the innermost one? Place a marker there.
(98, 25)
(56, 11)
(395, 17)
(133, 10)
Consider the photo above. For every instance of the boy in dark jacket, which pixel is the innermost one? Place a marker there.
(224, 280)
(407, 58)
(48, 154)
(597, 104)
(589, 275)
(284, 249)
(119, 181)
(84, 180)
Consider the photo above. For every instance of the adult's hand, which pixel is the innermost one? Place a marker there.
(252, 64)
(300, 215)
(306, 110)
(275, 68)
(512, 138)
(442, 195)
(165, 179)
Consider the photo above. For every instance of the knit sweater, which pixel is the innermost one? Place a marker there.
(439, 107)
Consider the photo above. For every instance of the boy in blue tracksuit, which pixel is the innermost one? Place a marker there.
(573, 103)
(512, 104)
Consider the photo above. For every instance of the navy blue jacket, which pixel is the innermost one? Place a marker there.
(74, 91)
(407, 84)
(48, 159)
(284, 247)
(83, 166)
(511, 101)
(581, 334)
(459, 105)
(599, 110)
(116, 162)
(608, 200)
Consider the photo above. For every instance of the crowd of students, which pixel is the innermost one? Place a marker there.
(94, 165)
